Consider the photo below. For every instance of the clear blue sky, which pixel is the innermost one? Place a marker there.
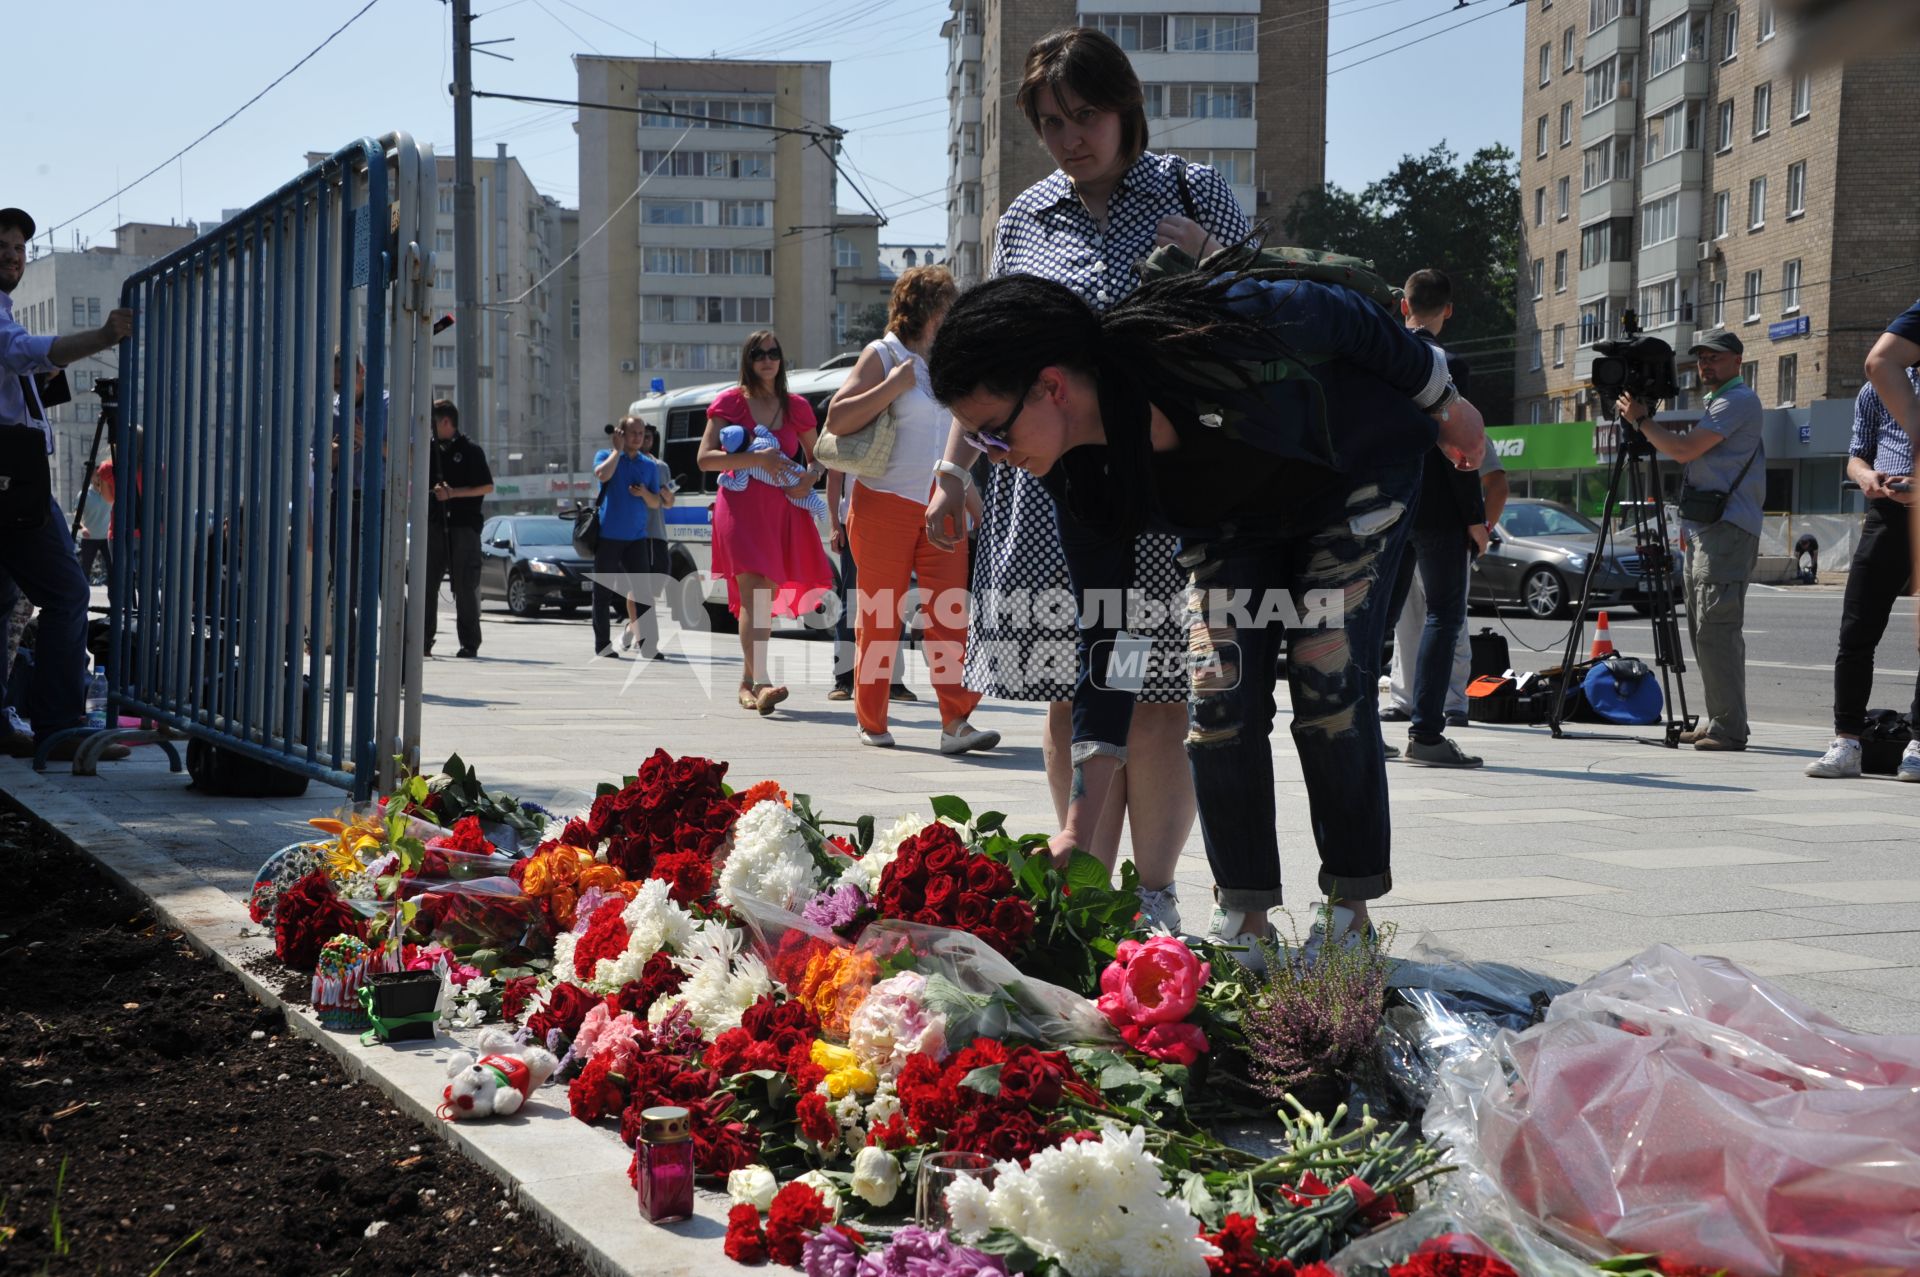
(102, 91)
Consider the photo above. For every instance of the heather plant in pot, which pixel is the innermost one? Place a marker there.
(1314, 1019)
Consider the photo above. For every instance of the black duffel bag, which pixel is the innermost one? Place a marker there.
(1884, 740)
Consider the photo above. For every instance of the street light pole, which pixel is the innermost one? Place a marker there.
(466, 263)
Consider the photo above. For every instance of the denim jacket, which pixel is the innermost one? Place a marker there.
(1378, 380)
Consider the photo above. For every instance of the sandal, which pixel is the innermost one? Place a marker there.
(748, 700)
(769, 696)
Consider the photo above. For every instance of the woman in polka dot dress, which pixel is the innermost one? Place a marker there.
(1087, 226)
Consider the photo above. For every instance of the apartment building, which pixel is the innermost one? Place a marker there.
(715, 224)
(1676, 163)
(1238, 84)
(69, 291)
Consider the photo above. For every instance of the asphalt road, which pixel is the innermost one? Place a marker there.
(1791, 632)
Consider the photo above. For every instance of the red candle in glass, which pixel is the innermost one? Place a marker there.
(666, 1164)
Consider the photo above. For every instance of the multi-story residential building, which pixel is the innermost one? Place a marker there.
(898, 257)
(715, 224)
(1238, 84)
(69, 291)
(1674, 163)
(861, 279)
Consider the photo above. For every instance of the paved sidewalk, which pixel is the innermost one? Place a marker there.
(1567, 855)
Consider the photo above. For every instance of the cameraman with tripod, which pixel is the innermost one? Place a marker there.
(1723, 483)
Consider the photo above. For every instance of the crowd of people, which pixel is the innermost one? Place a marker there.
(1059, 432)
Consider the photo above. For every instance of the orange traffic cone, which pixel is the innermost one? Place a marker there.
(1602, 640)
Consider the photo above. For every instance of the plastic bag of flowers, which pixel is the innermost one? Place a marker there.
(1684, 1107)
(1468, 1230)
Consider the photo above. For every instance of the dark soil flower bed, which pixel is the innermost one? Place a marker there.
(151, 1112)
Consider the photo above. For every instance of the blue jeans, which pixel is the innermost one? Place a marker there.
(1442, 558)
(1352, 552)
(42, 564)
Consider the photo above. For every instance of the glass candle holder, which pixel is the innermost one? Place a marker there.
(938, 1173)
(665, 1179)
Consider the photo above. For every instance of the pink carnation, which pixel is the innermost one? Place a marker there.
(602, 1030)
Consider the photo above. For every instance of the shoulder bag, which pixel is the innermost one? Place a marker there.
(865, 453)
(1706, 505)
(586, 523)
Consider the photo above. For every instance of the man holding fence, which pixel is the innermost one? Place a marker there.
(36, 551)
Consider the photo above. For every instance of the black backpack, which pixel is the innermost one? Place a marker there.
(1884, 740)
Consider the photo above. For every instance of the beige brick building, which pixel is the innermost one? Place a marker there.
(1239, 84)
(1673, 162)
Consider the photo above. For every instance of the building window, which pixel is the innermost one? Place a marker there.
(1609, 241)
(1659, 303)
(846, 254)
(1539, 278)
(702, 113)
(1566, 50)
(1134, 32)
(1566, 124)
(1762, 109)
(1606, 160)
(575, 318)
(1790, 287)
(93, 312)
(1595, 320)
(1766, 20)
(1540, 137)
(1533, 347)
(1723, 129)
(444, 357)
(1546, 64)
(1660, 220)
(1797, 189)
(1802, 96)
(673, 212)
(746, 212)
(1222, 33)
(1610, 80)
(1719, 303)
(443, 279)
(1673, 130)
(1602, 12)
(1560, 271)
(446, 199)
(1540, 206)
(1787, 381)
(1235, 167)
(1756, 203)
(1730, 34)
(1722, 213)
(1199, 101)
(1750, 373)
(1536, 412)
(1559, 345)
(1682, 40)
(79, 313)
(1563, 199)
(1754, 285)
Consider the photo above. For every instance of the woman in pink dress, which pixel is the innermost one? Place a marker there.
(765, 547)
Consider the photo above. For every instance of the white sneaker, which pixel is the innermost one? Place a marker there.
(879, 740)
(1842, 761)
(1160, 910)
(967, 740)
(1230, 930)
(1343, 932)
(1909, 768)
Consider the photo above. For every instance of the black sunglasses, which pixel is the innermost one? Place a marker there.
(997, 438)
(764, 352)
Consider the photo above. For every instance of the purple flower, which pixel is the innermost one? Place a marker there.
(835, 908)
(915, 1252)
(830, 1253)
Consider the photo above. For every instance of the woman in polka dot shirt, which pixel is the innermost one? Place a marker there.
(1087, 226)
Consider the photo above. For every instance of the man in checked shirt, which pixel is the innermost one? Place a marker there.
(1881, 462)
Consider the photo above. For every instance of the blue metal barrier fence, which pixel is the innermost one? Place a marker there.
(272, 454)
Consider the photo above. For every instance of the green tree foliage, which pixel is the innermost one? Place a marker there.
(1431, 210)
(867, 324)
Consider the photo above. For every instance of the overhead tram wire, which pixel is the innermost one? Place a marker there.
(228, 119)
(1491, 13)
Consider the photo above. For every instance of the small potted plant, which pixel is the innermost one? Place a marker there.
(1313, 1020)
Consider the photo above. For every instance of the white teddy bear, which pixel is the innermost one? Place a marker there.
(497, 1083)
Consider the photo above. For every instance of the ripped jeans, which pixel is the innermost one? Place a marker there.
(1332, 676)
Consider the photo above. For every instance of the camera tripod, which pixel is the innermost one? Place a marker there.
(1637, 464)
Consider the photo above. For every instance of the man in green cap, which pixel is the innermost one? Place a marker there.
(1723, 483)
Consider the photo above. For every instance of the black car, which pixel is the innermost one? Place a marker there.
(529, 561)
(1543, 556)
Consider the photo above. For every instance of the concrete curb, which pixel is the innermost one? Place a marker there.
(572, 1176)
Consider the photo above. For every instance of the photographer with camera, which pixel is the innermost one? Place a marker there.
(1723, 481)
(37, 557)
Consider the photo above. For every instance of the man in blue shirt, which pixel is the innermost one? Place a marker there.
(1880, 460)
(1722, 454)
(629, 489)
(36, 550)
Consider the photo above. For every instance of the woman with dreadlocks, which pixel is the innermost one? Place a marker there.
(1288, 496)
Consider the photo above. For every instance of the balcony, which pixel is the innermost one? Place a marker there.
(1609, 199)
(1622, 115)
(967, 111)
(1622, 35)
(1661, 12)
(1609, 279)
(966, 168)
(1688, 79)
(966, 49)
(1676, 331)
(1677, 171)
(1675, 257)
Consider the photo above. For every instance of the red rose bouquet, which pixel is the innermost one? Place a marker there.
(672, 805)
(1010, 1118)
(936, 881)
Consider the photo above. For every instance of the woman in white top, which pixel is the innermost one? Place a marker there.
(886, 520)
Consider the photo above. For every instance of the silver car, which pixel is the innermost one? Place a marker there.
(1542, 556)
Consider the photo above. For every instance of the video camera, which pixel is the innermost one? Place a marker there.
(1638, 365)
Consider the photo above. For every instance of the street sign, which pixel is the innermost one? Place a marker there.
(1806, 435)
(1798, 326)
